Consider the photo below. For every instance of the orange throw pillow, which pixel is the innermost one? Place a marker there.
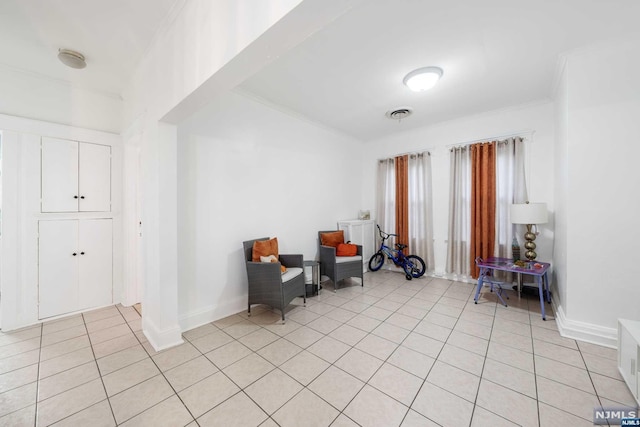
(264, 248)
(346, 249)
(332, 239)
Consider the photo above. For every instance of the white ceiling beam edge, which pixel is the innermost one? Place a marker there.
(294, 28)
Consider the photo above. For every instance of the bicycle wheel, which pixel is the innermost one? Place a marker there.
(414, 266)
(376, 261)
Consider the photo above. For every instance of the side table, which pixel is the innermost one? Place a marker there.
(313, 285)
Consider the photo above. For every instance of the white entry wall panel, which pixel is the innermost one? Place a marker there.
(58, 272)
(95, 286)
(94, 170)
(59, 175)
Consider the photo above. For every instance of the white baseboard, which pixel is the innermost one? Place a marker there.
(211, 313)
(582, 331)
(161, 339)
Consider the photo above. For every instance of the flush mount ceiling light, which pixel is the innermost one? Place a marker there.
(71, 58)
(422, 78)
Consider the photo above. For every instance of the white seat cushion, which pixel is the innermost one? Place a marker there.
(341, 259)
(291, 273)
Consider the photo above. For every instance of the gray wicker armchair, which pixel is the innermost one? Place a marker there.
(267, 285)
(339, 268)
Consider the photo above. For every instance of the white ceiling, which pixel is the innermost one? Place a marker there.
(494, 53)
(113, 35)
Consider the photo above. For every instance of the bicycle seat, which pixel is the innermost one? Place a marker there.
(400, 246)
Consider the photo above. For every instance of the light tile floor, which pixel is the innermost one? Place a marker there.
(392, 353)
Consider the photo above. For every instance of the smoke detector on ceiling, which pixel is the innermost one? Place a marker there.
(399, 113)
(71, 58)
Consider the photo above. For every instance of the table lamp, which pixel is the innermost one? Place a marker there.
(529, 214)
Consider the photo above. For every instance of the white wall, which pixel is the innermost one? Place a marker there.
(246, 170)
(204, 50)
(40, 98)
(198, 41)
(602, 187)
(438, 139)
(561, 186)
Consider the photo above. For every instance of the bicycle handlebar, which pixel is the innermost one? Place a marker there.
(382, 233)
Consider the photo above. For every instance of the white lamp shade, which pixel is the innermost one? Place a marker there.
(529, 213)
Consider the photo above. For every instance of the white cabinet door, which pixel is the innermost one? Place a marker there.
(58, 272)
(95, 267)
(94, 172)
(76, 176)
(75, 265)
(59, 175)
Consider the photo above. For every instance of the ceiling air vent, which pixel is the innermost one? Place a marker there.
(399, 113)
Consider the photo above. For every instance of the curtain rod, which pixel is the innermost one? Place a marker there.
(522, 134)
(408, 153)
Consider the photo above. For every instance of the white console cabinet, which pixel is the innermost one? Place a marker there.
(360, 232)
(629, 354)
(76, 176)
(75, 258)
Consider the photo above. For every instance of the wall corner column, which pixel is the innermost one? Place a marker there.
(160, 236)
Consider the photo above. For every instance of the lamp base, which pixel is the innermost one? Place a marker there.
(530, 245)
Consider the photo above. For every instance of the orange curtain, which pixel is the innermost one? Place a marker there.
(483, 202)
(402, 200)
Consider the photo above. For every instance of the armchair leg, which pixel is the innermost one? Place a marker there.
(249, 310)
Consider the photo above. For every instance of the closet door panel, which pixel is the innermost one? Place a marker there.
(94, 178)
(58, 270)
(96, 263)
(59, 175)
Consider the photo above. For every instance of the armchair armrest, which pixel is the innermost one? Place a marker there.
(265, 274)
(327, 254)
(292, 260)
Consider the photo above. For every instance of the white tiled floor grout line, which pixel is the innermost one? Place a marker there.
(95, 360)
(35, 413)
(160, 370)
(535, 377)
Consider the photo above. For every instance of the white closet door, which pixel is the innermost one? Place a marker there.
(59, 175)
(58, 272)
(96, 265)
(95, 178)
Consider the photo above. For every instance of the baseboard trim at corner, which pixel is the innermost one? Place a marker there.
(161, 339)
(211, 313)
(583, 331)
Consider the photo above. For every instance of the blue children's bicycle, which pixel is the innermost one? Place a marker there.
(412, 265)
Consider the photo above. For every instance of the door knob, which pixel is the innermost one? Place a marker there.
(75, 197)
(74, 254)
(82, 197)
(81, 253)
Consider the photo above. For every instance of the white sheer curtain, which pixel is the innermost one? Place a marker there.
(420, 208)
(459, 233)
(386, 197)
(511, 188)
